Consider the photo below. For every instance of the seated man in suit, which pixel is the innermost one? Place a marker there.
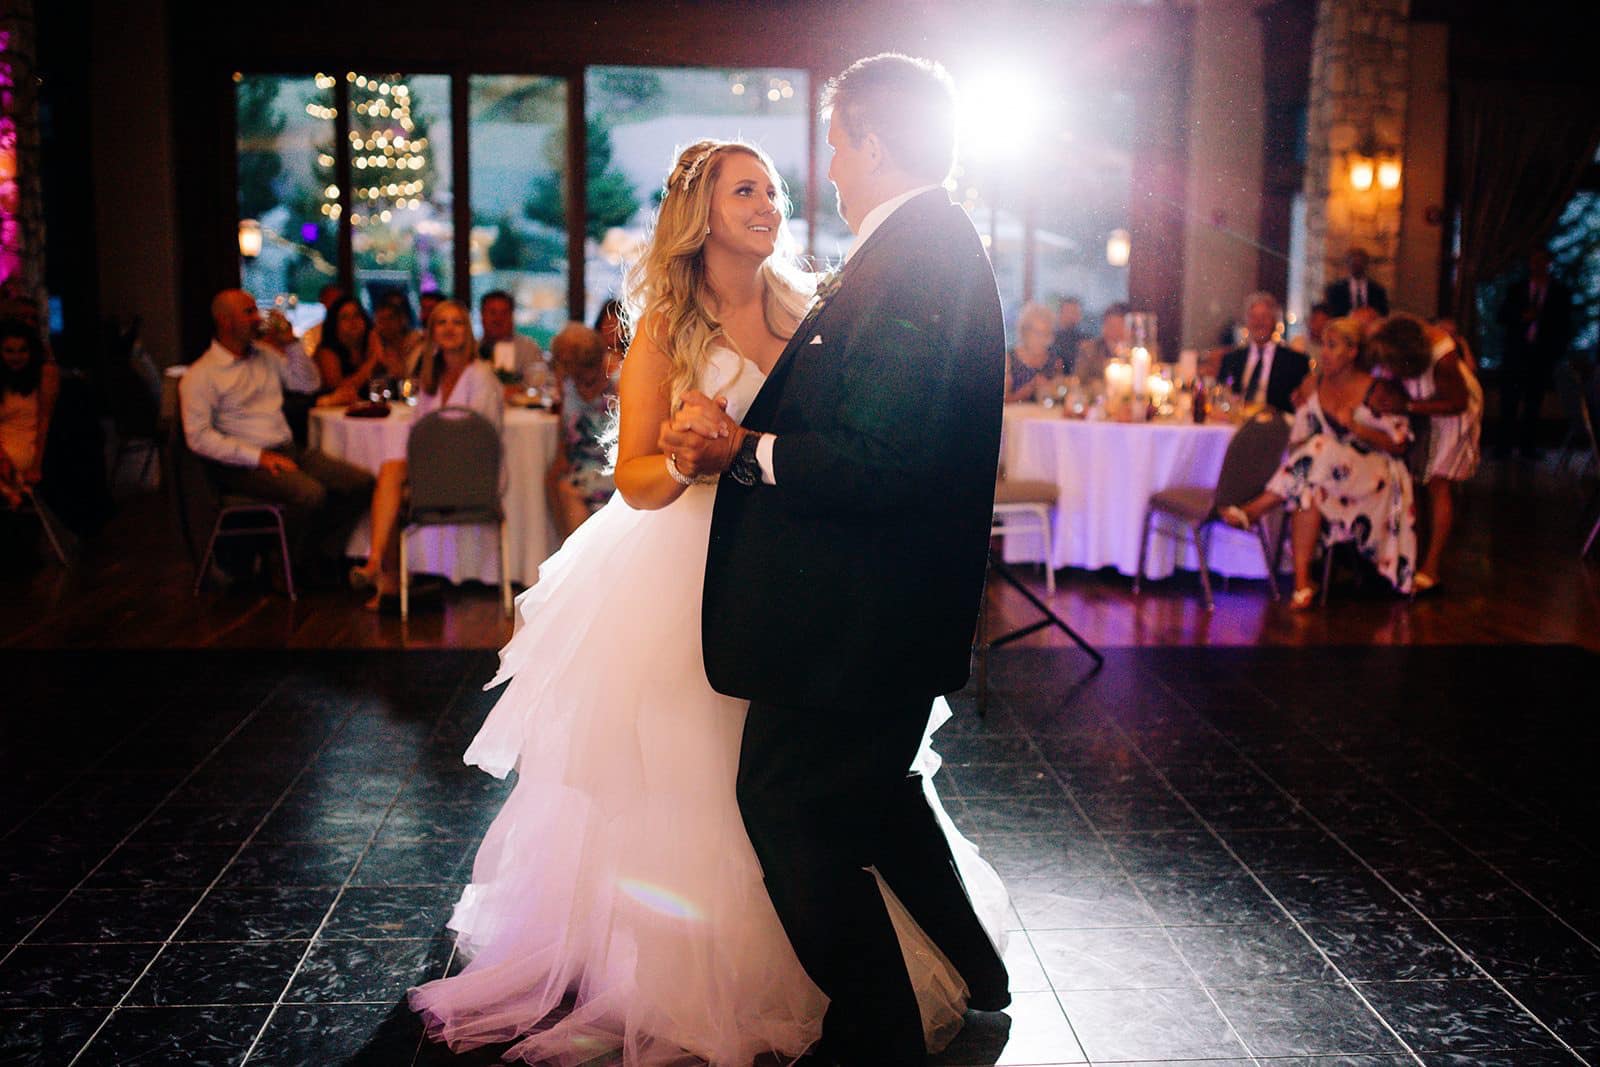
(1264, 370)
(1096, 352)
(1355, 290)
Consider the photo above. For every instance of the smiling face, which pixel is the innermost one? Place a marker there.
(450, 329)
(744, 217)
(14, 353)
(1261, 319)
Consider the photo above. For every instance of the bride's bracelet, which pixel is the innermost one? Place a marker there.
(684, 479)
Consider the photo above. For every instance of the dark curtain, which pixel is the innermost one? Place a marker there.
(1523, 149)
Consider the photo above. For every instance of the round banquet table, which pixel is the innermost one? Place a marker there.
(1105, 473)
(459, 553)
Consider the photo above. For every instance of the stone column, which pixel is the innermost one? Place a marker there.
(1359, 77)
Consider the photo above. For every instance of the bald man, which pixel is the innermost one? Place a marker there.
(232, 404)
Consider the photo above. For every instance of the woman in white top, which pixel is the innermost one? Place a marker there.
(1439, 383)
(452, 376)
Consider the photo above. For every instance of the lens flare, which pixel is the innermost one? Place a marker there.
(661, 900)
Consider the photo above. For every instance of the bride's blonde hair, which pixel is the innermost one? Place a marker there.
(667, 297)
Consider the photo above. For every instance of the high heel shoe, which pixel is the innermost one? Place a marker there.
(1424, 583)
(1235, 517)
(361, 580)
(1303, 598)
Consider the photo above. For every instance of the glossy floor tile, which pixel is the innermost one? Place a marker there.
(1346, 856)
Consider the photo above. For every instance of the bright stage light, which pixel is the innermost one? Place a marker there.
(1002, 115)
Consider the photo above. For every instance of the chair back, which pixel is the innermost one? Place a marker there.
(453, 460)
(1252, 457)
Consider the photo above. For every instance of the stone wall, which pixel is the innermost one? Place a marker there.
(1360, 71)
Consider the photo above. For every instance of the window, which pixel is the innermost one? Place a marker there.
(638, 117)
(518, 150)
(289, 243)
(402, 234)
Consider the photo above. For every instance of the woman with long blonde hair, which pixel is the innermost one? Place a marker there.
(618, 878)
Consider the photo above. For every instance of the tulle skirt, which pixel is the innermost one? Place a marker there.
(618, 881)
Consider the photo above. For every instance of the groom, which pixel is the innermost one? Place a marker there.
(846, 563)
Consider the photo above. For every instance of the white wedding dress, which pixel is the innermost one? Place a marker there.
(618, 874)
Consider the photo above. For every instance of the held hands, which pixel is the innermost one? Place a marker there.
(274, 463)
(700, 438)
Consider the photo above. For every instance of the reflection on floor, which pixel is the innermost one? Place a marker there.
(1334, 856)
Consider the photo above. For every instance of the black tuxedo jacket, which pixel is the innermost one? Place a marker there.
(1289, 369)
(1337, 297)
(858, 576)
(1555, 324)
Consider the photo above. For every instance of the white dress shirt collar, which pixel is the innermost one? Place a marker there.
(877, 215)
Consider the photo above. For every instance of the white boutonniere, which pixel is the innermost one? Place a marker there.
(827, 285)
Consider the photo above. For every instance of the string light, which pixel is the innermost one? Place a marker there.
(383, 143)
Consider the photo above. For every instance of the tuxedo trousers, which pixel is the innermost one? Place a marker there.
(826, 793)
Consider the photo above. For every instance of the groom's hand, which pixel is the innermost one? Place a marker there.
(700, 438)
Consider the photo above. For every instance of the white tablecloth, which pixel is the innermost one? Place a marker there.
(459, 553)
(1106, 472)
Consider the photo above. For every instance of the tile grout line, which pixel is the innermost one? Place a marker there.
(278, 1002)
(1100, 837)
(249, 839)
(1340, 841)
(254, 712)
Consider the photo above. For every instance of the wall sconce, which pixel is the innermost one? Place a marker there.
(249, 238)
(1118, 246)
(1361, 173)
(1389, 174)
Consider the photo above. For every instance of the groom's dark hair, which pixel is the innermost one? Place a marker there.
(909, 103)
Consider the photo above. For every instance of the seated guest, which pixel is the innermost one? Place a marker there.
(1033, 360)
(1441, 386)
(231, 399)
(1095, 353)
(1346, 467)
(346, 358)
(327, 296)
(1069, 332)
(452, 376)
(29, 385)
(1355, 290)
(1264, 370)
(397, 342)
(579, 482)
(497, 311)
(613, 327)
(427, 301)
(1309, 343)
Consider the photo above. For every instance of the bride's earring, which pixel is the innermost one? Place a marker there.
(708, 231)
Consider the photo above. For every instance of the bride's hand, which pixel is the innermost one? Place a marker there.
(698, 413)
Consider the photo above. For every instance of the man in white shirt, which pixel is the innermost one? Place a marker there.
(232, 404)
(497, 310)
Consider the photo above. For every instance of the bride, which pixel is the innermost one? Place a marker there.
(617, 881)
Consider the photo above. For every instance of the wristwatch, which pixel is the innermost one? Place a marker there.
(744, 468)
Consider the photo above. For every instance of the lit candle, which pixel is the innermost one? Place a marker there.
(1139, 368)
(1160, 389)
(1188, 365)
(1119, 378)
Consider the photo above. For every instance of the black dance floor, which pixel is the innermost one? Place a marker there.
(1341, 856)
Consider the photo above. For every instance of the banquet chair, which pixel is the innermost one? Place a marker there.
(198, 504)
(1033, 501)
(1252, 457)
(1022, 506)
(453, 458)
